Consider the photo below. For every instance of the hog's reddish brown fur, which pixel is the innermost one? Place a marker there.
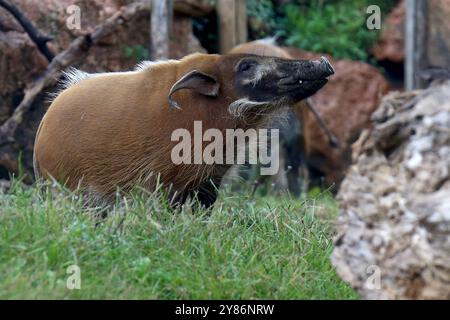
(100, 142)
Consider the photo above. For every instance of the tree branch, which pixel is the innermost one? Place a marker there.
(36, 36)
(76, 51)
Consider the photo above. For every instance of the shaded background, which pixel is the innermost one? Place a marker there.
(369, 63)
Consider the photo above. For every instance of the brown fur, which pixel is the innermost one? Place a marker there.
(113, 130)
(261, 48)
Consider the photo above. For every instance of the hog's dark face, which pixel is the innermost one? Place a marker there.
(250, 84)
(269, 79)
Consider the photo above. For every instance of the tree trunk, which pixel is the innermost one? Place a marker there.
(161, 22)
(415, 41)
(232, 16)
(241, 21)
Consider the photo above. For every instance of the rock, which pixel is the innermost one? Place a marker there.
(391, 44)
(21, 62)
(346, 104)
(394, 223)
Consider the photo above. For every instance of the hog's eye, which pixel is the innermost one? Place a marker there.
(246, 66)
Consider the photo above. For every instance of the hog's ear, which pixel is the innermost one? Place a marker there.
(198, 81)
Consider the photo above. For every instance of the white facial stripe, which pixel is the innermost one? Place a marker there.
(240, 107)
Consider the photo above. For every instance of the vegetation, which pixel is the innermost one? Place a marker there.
(137, 52)
(327, 26)
(262, 18)
(244, 248)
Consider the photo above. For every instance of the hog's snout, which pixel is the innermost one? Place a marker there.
(326, 66)
(322, 68)
(303, 71)
(303, 78)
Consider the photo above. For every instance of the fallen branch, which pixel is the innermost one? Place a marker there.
(74, 52)
(36, 36)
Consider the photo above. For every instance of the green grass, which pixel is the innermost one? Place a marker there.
(245, 248)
